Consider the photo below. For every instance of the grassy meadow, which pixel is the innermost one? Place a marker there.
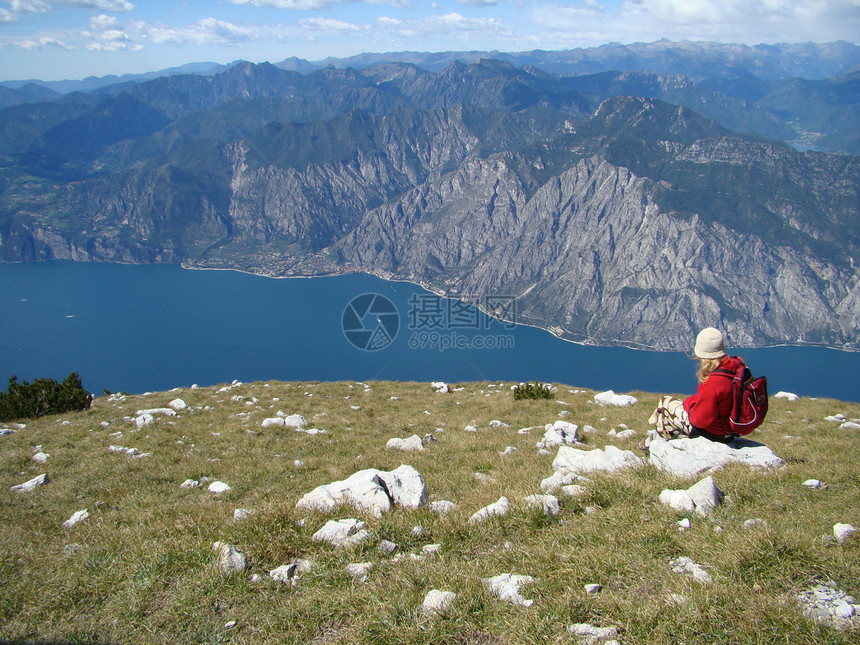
(140, 568)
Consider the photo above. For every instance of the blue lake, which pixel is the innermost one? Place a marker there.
(145, 328)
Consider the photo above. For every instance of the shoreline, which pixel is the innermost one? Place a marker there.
(439, 293)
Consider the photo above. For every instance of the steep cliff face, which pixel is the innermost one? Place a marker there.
(592, 255)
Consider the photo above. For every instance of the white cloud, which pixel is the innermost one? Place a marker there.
(44, 6)
(109, 35)
(115, 6)
(587, 22)
(451, 30)
(328, 26)
(313, 5)
(43, 43)
(29, 6)
(479, 3)
(6, 16)
(208, 31)
(103, 22)
(302, 5)
(111, 40)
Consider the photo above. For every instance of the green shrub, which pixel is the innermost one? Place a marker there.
(533, 391)
(44, 396)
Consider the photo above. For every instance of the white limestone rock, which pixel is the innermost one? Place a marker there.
(843, 531)
(829, 605)
(498, 508)
(29, 485)
(689, 457)
(410, 444)
(143, 420)
(190, 483)
(442, 507)
(573, 490)
(273, 422)
(167, 412)
(558, 479)
(678, 500)
(310, 430)
(134, 453)
(611, 398)
(440, 386)
(686, 565)
(560, 433)
(372, 490)
(218, 487)
(230, 558)
(815, 484)
(240, 514)
(437, 602)
(548, 504)
(495, 423)
(611, 459)
(41, 457)
(294, 421)
(178, 404)
(849, 425)
(788, 396)
(625, 434)
(592, 635)
(288, 574)
(342, 533)
(702, 497)
(78, 516)
(359, 570)
(507, 587)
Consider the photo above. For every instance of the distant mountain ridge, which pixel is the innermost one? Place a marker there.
(695, 60)
(614, 217)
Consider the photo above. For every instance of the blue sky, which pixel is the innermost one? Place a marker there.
(70, 39)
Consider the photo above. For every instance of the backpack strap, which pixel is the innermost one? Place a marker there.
(730, 373)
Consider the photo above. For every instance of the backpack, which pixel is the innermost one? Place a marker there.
(749, 404)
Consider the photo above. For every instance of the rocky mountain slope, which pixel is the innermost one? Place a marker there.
(613, 220)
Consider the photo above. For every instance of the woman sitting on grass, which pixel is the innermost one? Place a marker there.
(705, 413)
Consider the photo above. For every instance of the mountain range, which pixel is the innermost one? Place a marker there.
(627, 206)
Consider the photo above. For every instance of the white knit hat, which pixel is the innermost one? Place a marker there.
(710, 344)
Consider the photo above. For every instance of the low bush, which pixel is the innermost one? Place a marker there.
(43, 396)
(532, 391)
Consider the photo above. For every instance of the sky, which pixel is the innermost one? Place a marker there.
(73, 39)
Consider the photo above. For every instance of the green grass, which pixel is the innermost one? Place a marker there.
(144, 571)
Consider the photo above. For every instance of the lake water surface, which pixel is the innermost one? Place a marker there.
(144, 328)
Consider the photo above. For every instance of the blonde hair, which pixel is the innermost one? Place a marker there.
(706, 366)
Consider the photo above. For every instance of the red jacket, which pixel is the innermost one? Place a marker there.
(710, 407)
